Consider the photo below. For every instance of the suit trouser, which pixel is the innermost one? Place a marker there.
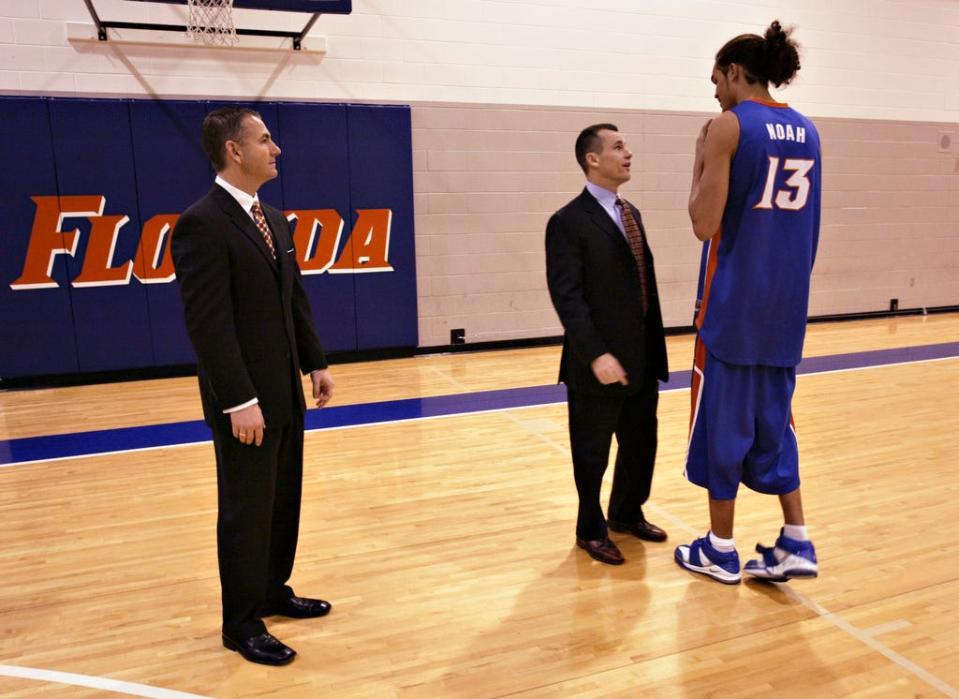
(593, 420)
(257, 527)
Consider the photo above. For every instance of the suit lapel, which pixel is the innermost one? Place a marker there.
(241, 219)
(602, 220)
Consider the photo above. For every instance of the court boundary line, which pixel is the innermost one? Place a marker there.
(869, 640)
(135, 689)
(877, 366)
(820, 611)
(311, 430)
(107, 684)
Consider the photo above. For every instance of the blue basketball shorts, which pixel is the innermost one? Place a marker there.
(741, 428)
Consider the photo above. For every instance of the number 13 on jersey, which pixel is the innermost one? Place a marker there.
(796, 193)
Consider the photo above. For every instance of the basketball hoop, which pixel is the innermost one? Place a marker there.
(211, 22)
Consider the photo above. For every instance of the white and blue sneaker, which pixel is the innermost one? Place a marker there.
(701, 557)
(788, 559)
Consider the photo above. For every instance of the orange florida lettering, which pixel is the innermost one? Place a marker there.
(47, 240)
(316, 238)
(317, 234)
(97, 268)
(153, 263)
(369, 246)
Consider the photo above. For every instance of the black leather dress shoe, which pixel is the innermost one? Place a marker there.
(265, 649)
(603, 550)
(641, 530)
(298, 608)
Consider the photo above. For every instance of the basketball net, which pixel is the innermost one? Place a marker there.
(211, 22)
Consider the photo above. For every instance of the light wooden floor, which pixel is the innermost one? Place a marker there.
(446, 546)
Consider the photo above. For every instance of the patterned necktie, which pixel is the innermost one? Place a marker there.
(264, 229)
(635, 237)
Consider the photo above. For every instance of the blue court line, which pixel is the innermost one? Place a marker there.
(14, 451)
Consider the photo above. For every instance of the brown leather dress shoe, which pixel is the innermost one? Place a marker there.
(265, 649)
(298, 608)
(603, 550)
(642, 529)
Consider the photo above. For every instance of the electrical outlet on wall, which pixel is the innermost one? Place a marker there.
(946, 141)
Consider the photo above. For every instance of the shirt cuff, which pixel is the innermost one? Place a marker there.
(243, 405)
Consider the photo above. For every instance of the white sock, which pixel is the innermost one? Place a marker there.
(722, 545)
(796, 532)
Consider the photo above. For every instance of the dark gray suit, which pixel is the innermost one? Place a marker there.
(251, 327)
(595, 287)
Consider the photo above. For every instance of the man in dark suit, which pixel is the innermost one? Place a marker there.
(250, 324)
(599, 269)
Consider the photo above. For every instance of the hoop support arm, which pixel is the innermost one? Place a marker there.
(102, 27)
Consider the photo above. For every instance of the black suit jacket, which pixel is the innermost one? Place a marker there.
(247, 316)
(594, 284)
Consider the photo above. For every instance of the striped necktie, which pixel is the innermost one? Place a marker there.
(264, 229)
(635, 237)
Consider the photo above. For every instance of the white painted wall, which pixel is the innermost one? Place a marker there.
(885, 59)
(499, 89)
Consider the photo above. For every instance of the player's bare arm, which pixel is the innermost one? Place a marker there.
(714, 153)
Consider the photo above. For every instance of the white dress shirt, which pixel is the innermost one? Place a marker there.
(246, 202)
(607, 200)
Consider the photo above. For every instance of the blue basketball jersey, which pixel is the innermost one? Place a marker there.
(754, 274)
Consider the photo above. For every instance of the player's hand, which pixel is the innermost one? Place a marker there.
(248, 425)
(607, 370)
(322, 386)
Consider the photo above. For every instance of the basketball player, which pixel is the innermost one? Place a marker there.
(755, 201)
